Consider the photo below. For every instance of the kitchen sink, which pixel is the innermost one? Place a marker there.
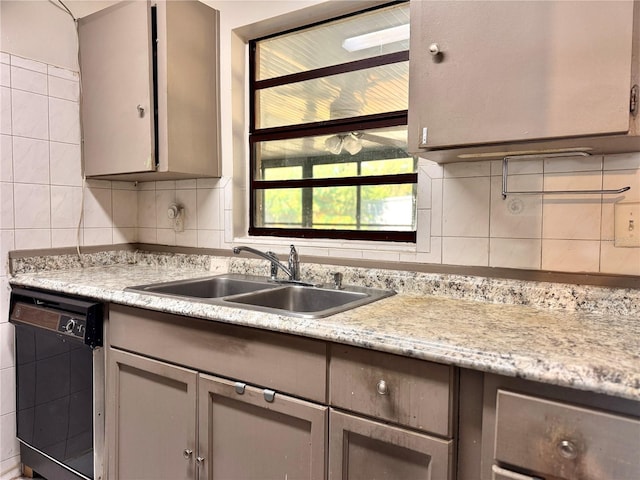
(298, 299)
(261, 294)
(209, 287)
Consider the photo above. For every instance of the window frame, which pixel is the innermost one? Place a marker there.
(327, 127)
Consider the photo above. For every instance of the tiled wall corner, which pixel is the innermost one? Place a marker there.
(42, 194)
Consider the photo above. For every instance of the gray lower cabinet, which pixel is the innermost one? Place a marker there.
(151, 419)
(252, 433)
(536, 431)
(169, 422)
(362, 449)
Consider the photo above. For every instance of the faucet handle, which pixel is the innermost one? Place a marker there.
(273, 265)
(294, 264)
(337, 280)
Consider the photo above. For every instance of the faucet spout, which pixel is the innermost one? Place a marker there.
(272, 258)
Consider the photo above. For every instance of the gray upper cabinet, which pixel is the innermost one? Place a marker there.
(150, 94)
(488, 78)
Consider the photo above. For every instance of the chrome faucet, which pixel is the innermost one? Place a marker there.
(292, 270)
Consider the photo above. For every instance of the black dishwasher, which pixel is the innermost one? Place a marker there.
(59, 383)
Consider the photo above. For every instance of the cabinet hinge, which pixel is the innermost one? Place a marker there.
(633, 104)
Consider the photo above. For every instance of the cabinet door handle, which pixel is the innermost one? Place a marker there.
(434, 49)
(187, 453)
(200, 460)
(568, 449)
(140, 109)
(382, 388)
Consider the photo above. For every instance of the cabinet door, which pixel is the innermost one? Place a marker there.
(518, 71)
(151, 422)
(245, 434)
(116, 68)
(362, 449)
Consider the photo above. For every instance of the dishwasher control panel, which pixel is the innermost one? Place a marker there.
(72, 326)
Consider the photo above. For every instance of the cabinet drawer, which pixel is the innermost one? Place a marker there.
(403, 390)
(277, 361)
(565, 441)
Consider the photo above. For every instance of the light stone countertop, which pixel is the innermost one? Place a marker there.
(598, 352)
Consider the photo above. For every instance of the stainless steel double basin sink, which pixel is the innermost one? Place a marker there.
(261, 294)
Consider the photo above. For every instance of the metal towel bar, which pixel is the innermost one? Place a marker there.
(505, 173)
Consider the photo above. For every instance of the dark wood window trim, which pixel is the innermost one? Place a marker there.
(329, 127)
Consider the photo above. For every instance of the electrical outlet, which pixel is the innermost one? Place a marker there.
(627, 224)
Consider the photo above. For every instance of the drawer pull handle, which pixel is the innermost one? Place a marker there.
(382, 388)
(269, 395)
(568, 449)
(187, 453)
(200, 460)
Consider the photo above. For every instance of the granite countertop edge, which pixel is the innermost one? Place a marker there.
(448, 331)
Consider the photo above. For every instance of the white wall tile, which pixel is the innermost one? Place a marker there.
(5, 75)
(30, 160)
(147, 235)
(436, 207)
(63, 88)
(164, 198)
(64, 121)
(186, 184)
(6, 158)
(59, 72)
(570, 255)
(5, 111)
(166, 236)
(467, 169)
(32, 206)
(465, 251)
(7, 390)
(466, 207)
(28, 64)
(5, 58)
(66, 237)
(517, 216)
(424, 189)
(97, 208)
(9, 446)
(28, 80)
(32, 238)
(572, 216)
(618, 260)
(208, 182)
(515, 253)
(613, 180)
(624, 161)
(7, 243)
(6, 205)
(187, 238)
(188, 199)
(65, 164)
(573, 164)
(7, 358)
(11, 467)
(166, 185)
(66, 205)
(125, 235)
(5, 290)
(208, 209)
(98, 236)
(423, 236)
(147, 209)
(29, 115)
(209, 238)
(517, 167)
(125, 208)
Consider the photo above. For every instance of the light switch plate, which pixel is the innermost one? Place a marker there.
(627, 224)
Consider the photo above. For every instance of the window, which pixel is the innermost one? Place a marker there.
(328, 133)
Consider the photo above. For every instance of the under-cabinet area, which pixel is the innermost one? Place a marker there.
(238, 402)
